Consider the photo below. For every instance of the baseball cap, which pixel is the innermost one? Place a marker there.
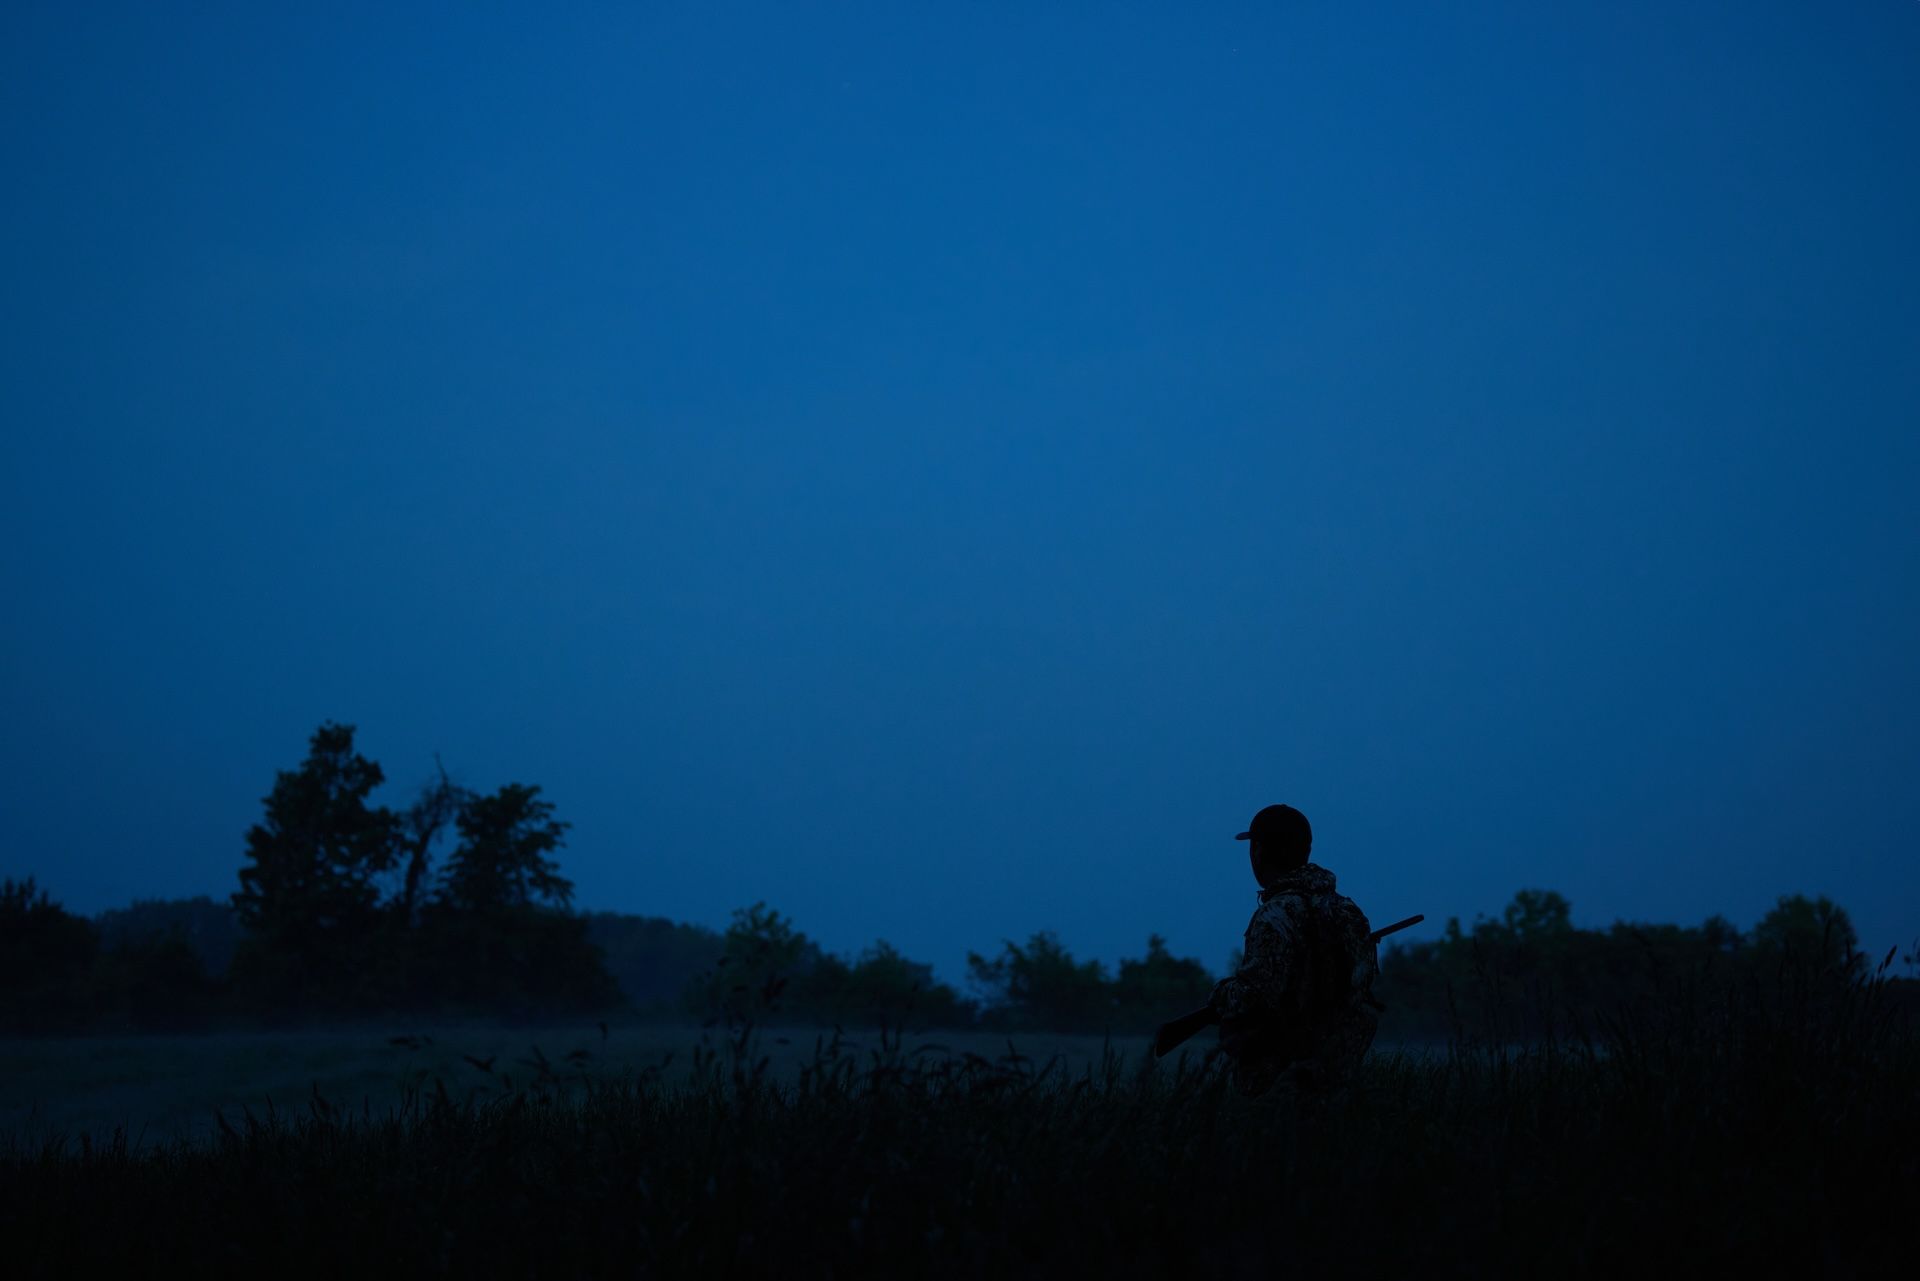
(1279, 825)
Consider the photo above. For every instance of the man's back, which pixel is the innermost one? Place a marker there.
(1303, 996)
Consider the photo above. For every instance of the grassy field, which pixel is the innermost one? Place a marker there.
(160, 1088)
(1773, 1134)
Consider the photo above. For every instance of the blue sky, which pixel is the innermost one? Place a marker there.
(939, 470)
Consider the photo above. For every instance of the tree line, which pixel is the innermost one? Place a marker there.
(454, 905)
(1531, 972)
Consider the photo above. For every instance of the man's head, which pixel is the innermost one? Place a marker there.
(1278, 840)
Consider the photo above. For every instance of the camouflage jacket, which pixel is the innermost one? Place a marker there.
(1304, 992)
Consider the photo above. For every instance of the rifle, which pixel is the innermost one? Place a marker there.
(1172, 1033)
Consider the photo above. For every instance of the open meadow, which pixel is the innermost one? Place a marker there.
(1770, 1134)
(161, 1088)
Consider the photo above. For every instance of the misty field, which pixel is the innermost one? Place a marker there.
(1770, 1134)
(159, 1088)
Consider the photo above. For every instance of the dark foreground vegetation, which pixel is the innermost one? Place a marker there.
(1766, 1125)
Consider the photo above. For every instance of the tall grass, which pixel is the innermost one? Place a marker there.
(1768, 1125)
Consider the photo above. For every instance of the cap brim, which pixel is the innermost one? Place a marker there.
(1244, 836)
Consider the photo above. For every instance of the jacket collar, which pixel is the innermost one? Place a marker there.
(1310, 878)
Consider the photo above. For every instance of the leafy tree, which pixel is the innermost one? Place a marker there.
(309, 897)
(884, 986)
(433, 812)
(1160, 985)
(1814, 932)
(46, 956)
(209, 928)
(1538, 918)
(1042, 986)
(501, 861)
(38, 938)
(498, 937)
(153, 983)
(653, 959)
(761, 956)
(770, 971)
(519, 962)
(1721, 935)
(312, 860)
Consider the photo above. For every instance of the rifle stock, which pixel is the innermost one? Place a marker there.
(1176, 1031)
(1172, 1033)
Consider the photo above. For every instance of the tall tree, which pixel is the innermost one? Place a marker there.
(501, 861)
(312, 860)
(1041, 985)
(763, 955)
(1538, 917)
(1147, 988)
(209, 928)
(497, 934)
(432, 813)
(1812, 931)
(46, 954)
(654, 959)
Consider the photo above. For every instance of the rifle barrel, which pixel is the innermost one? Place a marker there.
(1395, 928)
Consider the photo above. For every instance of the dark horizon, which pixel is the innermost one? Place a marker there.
(1431, 928)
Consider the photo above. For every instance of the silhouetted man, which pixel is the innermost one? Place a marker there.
(1301, 1005)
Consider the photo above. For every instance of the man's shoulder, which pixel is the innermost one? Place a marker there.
(1305, 889)
(1290, 916)
(1280, 913)
(1341, 906)
(1314, 913)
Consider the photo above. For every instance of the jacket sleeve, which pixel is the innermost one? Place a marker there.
(1257, 990)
